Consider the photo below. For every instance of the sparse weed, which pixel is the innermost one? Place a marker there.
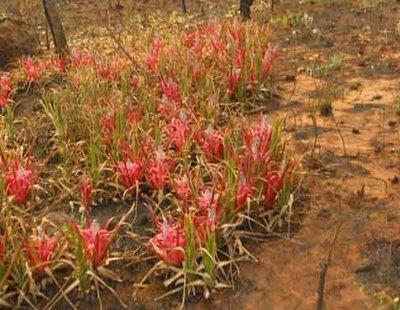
(326, 95)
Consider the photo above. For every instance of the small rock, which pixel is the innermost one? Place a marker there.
(392, 123)
(377, 97)
(356, 131)
(395, 179)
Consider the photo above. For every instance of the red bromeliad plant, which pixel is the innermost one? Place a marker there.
(108, 123)
(169, 243)
(212, 144)
(96, 242)
(134, 115)
(275, 181)
(244, 193)
(19, 180)
(240, 57)
(5, 90)
(233, 79)
(40, 251)
(61, 64)
(270, 56)
(111, 72)
(152, 58)
(170, 91)
(91, 243)
(130, 172)
(167, 109)
(82, 59)
(3, 99)
(135, 82)
(179, 131)
(90, 246)
(209, 213)
(257, 142)
(32, 69)
(159, 170)
(181, 187)
(5, 84)
(235, 74)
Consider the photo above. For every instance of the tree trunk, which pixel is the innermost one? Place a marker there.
(56, 28)
(184, 8)
(245, 8)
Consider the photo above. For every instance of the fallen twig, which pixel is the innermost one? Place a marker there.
(324, 270)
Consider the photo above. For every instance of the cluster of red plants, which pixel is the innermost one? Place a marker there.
(165, 141)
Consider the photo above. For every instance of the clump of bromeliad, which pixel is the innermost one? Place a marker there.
(167, 144)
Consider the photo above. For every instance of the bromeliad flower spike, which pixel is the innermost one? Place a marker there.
(86, 193)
